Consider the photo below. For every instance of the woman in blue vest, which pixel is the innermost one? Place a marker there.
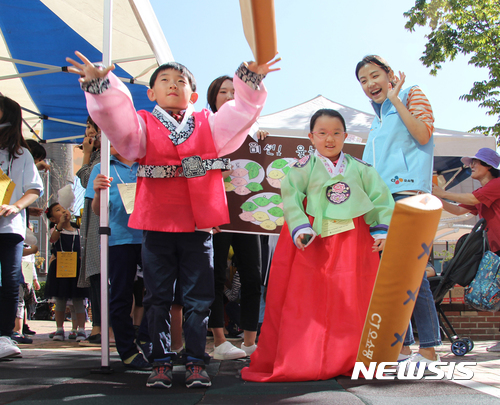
(400, 146)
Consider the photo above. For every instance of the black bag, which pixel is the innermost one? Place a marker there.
(469, 251)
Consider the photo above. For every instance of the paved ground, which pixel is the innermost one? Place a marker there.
(62, 372)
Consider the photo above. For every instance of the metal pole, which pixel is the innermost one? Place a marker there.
(104, 217)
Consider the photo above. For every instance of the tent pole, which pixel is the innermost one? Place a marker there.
(104, 218)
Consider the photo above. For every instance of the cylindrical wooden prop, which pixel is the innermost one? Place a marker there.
(409, 241)
(260, 28)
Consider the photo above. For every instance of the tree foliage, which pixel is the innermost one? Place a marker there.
(468, 27)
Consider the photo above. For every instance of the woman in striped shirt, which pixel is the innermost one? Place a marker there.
(400, 146)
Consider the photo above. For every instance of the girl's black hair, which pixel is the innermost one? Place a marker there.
(377, 61)
(91, 122)
(494, 172)
(50, 209)
(37, 150)
(183, 70)
(11, 136)
(330, 113)
(213, 90)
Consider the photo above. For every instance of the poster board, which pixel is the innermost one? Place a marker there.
(253, 189)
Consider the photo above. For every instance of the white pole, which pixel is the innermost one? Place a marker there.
(104, 218)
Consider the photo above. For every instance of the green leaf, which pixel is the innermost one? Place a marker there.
(261, 201)
(248, 206)
(276, 199)
(278, 164)
(251, 165)
(227, 179)
(286, 170)
(254, 186)
(276, 211)
(253, 172)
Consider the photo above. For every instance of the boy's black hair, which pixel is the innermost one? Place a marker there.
(494, 172)
(37, 150)
(213, 90)
(330, 113)
(176, 66)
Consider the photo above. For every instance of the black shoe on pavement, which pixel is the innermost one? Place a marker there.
(27, 330)
(139, 363)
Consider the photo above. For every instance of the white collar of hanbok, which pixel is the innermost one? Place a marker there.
(333, 170)
(178, 126)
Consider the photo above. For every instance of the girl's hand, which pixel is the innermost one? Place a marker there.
(35, 211)
(302, 240)
(88, 144)
(6, 210)
(64, 218)
(43, 166)
(263, 69)
(393, 93)
(102, 182)
(378, 245)
(87, 70)
(261, 134)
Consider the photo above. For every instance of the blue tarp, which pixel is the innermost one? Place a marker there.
(34, 33)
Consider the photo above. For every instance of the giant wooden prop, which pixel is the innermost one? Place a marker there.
(409, 241)
(260, 28)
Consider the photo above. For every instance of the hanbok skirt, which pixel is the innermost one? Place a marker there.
(316, 305)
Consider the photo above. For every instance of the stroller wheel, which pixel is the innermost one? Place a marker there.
(470, 344)
(459, 347)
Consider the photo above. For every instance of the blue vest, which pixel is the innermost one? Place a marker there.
(400, 160)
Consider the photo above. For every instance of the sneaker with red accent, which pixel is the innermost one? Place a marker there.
(161, 377)
(196, 375)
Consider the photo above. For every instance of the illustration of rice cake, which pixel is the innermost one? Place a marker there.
(264, 210)
(277, 170)
(245, 178)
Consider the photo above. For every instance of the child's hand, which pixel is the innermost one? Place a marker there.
(35, 211)
(42, 165)
(101, 182)
(87, 70)
(263, 69)
(378, 245)
(261, 134)
(65, 217)
(302, 240)
(393, 93)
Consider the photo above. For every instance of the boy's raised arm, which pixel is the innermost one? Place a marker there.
(110, 105)
(231, 124)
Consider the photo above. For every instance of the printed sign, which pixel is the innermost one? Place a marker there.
(253, 189)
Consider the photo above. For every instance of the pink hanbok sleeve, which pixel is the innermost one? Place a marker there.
(231, 124)
(114, 113)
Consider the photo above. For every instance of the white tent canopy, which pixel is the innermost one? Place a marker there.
(294, 122)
